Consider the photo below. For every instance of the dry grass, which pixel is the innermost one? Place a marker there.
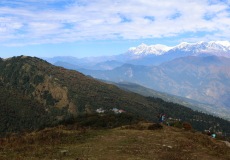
(66, 143)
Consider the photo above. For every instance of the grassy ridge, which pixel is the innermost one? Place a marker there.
(71, 142)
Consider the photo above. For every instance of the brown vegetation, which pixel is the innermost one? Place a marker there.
(72, 142)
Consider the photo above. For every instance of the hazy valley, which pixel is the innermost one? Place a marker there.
(198, 71)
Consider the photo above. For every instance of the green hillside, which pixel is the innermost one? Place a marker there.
(36, 94)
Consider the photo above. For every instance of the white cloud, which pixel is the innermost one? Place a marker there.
(55, 21)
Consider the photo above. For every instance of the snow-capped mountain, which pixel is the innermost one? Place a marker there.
(212, 47)
(149, 55)
(157, 49)
(218, 48)
(157, 54)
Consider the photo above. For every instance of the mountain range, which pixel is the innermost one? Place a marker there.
(148, 55)
(204, 79)
(198, 71)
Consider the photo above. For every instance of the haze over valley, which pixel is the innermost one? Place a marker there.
(197, 71)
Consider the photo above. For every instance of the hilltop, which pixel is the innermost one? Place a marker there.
(36, 94)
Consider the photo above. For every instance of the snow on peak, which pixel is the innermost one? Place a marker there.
(211, 47)
(223, 43)
(182, 45)
(157, 49)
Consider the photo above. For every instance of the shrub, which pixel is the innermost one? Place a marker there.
(187, 126)
(178, 124)
(155, 126)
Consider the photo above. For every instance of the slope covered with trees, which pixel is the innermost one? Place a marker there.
(35, 94)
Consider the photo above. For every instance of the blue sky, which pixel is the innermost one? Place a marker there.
(82, 28)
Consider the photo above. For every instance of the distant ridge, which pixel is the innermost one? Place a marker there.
(201, 78)
(166, 97)
(218, 48)
(149, 55)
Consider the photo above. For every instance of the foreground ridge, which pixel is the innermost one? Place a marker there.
(127, 142)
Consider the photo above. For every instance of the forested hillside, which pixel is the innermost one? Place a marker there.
(35, 94)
